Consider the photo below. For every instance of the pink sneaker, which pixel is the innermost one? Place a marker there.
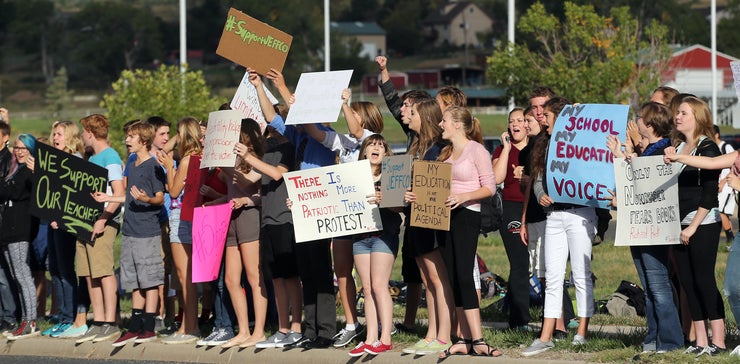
(377, 348)
(359, 350)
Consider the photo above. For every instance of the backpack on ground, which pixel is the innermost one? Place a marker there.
(628, 294)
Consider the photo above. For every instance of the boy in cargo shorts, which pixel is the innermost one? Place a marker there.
(142, 269)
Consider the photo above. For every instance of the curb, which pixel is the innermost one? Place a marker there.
(155, 351)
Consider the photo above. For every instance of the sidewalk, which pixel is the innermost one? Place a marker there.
(189, 353)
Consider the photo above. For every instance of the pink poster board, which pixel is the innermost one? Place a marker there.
(210, 224)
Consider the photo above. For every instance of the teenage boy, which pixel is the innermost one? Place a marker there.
(142, 269)
(94, 261)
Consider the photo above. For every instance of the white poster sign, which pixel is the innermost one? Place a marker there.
(647, 198)
(245, 100)
(318, 97)
(332, 201)
(735, 66)
(221, 136)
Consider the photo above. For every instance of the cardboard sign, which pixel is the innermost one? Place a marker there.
(647, 195)
(318, 97)
(431, 184)
(222, 135)
(63, 184)
(332, 201)
(210, 224)
(246, 100)
(252, 43)
(579, 165)
(395, 178)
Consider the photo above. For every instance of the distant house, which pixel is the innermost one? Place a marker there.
(690, 70)
(369, 34)
(457, 23)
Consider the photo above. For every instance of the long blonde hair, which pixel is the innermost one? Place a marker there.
(72, 141)
(188, 128)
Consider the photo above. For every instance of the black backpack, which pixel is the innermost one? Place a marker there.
(635, 296)
(491, 213)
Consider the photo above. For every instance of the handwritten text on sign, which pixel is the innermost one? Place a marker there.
(246, 100)
(63, 184)
(210, 224)
(431, 184)
(332, 201)
(222, 135)
(647, 195)
(318, 97)
(579, 165)
(252, 43)
(395, 179)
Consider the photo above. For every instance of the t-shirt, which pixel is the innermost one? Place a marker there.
(164, 215)
(141, 219)
(315, 154)
(274, 193)
(108, 158)
(512, 190)
(471, 171)
(535, 213)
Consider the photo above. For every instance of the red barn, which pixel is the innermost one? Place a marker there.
(690, 70)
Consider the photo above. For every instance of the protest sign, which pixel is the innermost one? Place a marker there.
(318, 97)
(395, 178)
(222, 135)
(252, 43)
(647, 199)
(735, 67)
(63, 184)
(210, 224)
(579, 165)
(431, 184)
(246, 100)
(332, 201)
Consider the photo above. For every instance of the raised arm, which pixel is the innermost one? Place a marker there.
(390, 94)
(279, 81)
(354, 126)
(267, 109)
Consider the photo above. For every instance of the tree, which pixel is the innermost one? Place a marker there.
(586, 58)
(58, 96)
(105, 38)
(142, 93)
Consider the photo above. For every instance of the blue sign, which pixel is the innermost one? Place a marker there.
(580, 167)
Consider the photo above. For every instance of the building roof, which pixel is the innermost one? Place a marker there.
(358, 28)
(679, 50)
(440, 17)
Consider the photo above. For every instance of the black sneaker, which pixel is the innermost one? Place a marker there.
(317, 343)
(712, 350)
(558, 335)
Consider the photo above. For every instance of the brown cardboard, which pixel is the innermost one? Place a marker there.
(431, 184)
(252, 43)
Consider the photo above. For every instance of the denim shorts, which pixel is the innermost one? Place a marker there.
(387, 243)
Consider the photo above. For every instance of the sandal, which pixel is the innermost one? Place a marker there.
(448, 352)
(490, 351)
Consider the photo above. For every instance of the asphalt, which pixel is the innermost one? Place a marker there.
(188, 353)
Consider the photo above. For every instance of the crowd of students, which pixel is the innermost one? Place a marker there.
(262, 263)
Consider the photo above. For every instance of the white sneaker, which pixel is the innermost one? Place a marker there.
(579, 340)
(538, 346)
(736, 351)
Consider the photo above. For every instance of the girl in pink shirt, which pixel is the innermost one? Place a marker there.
(472, 180)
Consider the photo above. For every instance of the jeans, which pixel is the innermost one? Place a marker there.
(8, 303)
(223, 311)
(62, 269)
(664, 327)
(732, 278)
